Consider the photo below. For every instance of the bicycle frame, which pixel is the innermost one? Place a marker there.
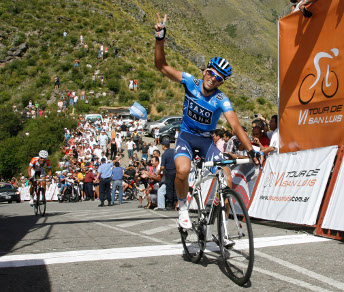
(227, 210)
(218, 201)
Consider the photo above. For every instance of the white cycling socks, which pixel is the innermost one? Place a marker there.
(182, 204)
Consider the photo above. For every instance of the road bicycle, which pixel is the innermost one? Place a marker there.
(40, 202)
(228, 212)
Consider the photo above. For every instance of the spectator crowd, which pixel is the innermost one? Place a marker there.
(93, 157)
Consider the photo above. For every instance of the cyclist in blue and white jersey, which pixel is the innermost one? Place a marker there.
(203, 105)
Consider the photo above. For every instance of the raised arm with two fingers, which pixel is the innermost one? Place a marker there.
(160, 60)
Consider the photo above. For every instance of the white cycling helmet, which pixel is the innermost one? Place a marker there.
(43, 154)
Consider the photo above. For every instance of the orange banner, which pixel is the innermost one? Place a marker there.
(311, 77)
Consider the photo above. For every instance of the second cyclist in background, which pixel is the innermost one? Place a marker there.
(36, 170)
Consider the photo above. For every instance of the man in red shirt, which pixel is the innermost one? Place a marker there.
(88, 183)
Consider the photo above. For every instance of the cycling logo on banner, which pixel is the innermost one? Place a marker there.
(329, 82)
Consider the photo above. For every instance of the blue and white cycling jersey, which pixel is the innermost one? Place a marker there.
(200, 113)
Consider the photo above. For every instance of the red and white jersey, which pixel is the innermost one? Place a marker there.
(36, 166)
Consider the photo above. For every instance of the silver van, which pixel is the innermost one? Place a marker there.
(149, 127)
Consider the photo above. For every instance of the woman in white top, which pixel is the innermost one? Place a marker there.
(157, 136)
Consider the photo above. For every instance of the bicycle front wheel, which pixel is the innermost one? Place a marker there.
(236, 238)
(194, 239)
(41, 202)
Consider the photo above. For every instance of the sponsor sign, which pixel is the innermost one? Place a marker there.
(334, 218)
(198, 113)
(292, 186)
(311, 78)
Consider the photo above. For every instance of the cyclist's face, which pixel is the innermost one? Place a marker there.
(42, 160)
(210, 82)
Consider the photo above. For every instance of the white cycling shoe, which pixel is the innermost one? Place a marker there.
(31, 202)
(184, 219)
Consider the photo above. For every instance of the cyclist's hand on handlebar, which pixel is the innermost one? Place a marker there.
(257, 157)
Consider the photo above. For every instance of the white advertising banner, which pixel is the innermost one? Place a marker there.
(334, 218)
(51, 193)
(292, 186)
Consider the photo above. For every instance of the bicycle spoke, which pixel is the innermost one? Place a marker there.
(193, 239)
(236, 239)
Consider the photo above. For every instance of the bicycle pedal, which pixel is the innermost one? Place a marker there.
(229, 245)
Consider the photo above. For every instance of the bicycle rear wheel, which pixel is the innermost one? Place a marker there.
(237, 248)
(194, 239)
(41, 202)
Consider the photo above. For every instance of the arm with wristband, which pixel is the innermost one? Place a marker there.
(159, 53)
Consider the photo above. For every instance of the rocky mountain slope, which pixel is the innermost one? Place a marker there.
(33, 50)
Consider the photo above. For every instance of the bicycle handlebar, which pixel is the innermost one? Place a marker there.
(225, 162)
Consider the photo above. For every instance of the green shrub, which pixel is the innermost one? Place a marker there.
(95, 101)
(4, 96)
(231, 29)
(114, 85)
(32, 43)
(42, 80)
(82, 107)
(66, 66)
(261, 100)
(73, 40)
(43, 134)
(144, 96)
(19, 39)
(147, 84)
(31, 61)
(44, 48)
(160, 108)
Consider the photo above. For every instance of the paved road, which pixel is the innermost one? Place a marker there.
(80, 247)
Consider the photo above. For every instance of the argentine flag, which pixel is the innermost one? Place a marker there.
(138, 111)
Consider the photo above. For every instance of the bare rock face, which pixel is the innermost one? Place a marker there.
(15, 52)
(136, 11)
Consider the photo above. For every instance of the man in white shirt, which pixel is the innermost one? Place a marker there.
(103, 140)
(274, 141)
(98, 122)
(92, 142)
(97, 151)
(130, 146)
(151, 149)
